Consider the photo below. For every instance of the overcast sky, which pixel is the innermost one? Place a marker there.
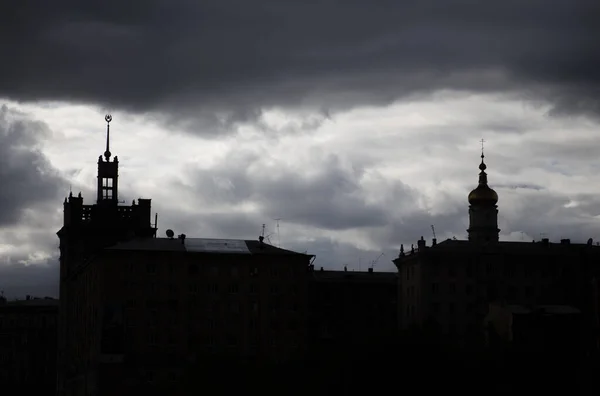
(355, 122)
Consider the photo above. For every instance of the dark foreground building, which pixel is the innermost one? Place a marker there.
(139, 312)
(28, 331)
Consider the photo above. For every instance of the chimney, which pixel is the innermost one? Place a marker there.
(565, 241)
(545, 241)
(370, 270)
(27, 297)
(182, 237)
(345, 269)
(421, 244)
(322, 269)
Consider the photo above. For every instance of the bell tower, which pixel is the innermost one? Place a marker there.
(108, 173)
(483, 211)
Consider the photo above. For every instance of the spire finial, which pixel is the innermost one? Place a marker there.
(482, 166)
(482, 142)
(108, 119)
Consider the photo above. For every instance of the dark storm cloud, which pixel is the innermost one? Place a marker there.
(40, 280)
(26, 176)
(227, 59)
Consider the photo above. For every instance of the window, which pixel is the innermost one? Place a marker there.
(529, 291)
(469, 270)
(469, 290)
(234, 288)
(452, 271)
(509, 270)
(107, 194)
(151, 268)
(107, 182)
(213, 288)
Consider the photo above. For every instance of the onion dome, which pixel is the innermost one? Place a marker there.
(483, 194)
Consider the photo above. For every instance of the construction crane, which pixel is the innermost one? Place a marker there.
(376, 260)
(433, 230)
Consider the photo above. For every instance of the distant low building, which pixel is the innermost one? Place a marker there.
(450, 285)
(28, 339)
(554, 329)
(352, 308)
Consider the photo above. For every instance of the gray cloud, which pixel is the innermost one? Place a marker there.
(327, 194)
(224, 61)
(29, 207)
(26, 176)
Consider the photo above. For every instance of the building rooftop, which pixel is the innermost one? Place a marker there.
(543, 309)
(354, 276)
(202, 245)
(31, 302)
(522, 247)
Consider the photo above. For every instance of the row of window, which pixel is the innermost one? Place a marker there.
(211, 288)
(216, 270)
(43, 321)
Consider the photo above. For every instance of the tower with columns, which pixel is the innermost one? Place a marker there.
(86, 231)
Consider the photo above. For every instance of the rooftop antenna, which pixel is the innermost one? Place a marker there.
(278, 235)
(267, 237)
(155, 224)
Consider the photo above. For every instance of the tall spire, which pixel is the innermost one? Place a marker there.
(482, 167)
(107, 154)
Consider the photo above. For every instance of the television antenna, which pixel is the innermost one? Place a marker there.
(278, 234)
(267, 237)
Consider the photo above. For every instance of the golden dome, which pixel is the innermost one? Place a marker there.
(483, 195)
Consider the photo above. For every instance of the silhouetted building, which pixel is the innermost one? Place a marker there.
(136, 309)
(448, 286)
(87, 229)
(168, 302)
(350, 309)
(28, 331)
